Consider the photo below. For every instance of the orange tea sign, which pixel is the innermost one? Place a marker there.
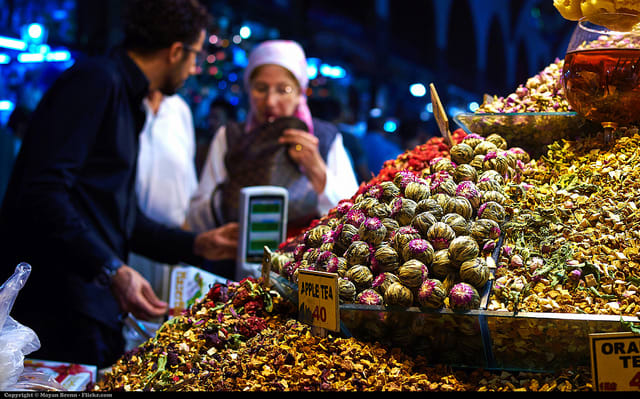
(615, 361)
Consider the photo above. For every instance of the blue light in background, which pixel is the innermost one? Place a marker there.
(473, 106)
(58, 56)
(30, 57)
(334, 72)
(454, 111)
(312, 68)
(13, 44)
(59, 15)
(4, 59)
(52, 56)
(240, 57)
(390, 126)
(35, 31)
(375, 112)
(6, 105)
(417, 90)
(245, 32)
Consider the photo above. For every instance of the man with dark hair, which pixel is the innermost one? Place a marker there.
(70, 208)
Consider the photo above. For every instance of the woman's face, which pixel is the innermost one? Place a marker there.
(274, 93)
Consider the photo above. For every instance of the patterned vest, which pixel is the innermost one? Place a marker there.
(256, 158)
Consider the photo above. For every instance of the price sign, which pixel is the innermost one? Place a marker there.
(615, 361)
(318, 303)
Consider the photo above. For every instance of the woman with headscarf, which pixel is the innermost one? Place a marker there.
(279, 144)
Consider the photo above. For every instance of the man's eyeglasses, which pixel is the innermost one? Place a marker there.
(262, 90)
(200, 54)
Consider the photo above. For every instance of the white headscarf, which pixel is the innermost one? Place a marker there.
(289, 55)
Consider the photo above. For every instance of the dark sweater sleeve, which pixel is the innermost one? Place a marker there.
(162, 243)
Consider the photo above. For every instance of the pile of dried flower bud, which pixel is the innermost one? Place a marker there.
(239, 338)
(572, 244)
(421, 239)
(543, 92)
(415, 159)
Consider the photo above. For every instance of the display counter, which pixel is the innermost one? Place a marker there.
(479, 338)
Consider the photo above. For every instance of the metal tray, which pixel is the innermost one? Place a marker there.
(531, 130)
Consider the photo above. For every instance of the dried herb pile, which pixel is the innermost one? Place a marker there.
(239, 338)
(572, 244)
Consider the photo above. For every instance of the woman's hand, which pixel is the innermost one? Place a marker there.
(303, 149)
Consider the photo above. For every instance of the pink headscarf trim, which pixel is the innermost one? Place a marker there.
(289, 55)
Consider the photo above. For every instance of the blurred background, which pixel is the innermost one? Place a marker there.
(367, 58)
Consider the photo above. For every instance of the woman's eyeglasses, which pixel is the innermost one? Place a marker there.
(262, 90)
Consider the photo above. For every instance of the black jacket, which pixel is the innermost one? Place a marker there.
(70, 206)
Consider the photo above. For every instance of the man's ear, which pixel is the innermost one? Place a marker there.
(176, 52)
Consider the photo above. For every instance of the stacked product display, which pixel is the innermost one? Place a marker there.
(420, 239)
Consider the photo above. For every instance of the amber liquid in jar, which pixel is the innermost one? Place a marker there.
(603, 85)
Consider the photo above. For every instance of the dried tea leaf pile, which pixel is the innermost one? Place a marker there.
(573, 243)
(248, 343)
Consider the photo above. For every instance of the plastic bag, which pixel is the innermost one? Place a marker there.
(37, 381)
(16, 340)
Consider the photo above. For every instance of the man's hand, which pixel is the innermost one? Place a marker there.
(218, 244)
(135, 295)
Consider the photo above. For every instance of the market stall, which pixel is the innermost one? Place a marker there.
(471, 265)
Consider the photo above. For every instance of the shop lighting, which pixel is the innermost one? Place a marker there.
(35, 31)
(429, 107)
(473, 106)
(335, 72)
(312, 71)
(454, 111)
(312, 67)
(59, 15)
(6, 105)
(13, 44)
(245, 32)
(239, 57)
(30, 57)
(53, 56)
(58, 56)
(390, 126)
(4, 59)
(418, 90)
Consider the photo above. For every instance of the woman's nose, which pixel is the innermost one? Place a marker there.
(271, 98)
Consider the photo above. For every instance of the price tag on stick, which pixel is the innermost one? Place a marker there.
(318, 299)
(615, 361)
(440, 115)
